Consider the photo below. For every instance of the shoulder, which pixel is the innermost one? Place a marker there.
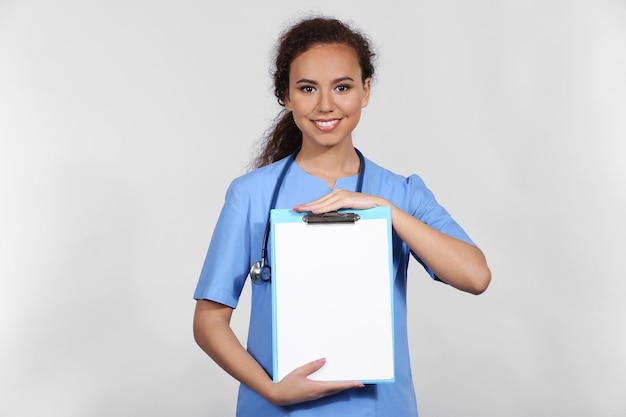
(382, 176)
(259, 180)
(406, 191)
(249, 195)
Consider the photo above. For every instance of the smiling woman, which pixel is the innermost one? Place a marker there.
(323, 76)
(325, 97)
(326, 89)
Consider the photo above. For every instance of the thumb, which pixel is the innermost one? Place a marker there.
(312, 366)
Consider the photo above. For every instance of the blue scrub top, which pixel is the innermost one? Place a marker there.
(237, 242)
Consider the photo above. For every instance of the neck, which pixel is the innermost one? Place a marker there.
(329, 164)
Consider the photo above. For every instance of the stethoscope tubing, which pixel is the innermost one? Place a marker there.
(257, 270)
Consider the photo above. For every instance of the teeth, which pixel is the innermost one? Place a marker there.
(326, 123)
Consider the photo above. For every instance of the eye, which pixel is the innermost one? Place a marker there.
(343, 88)
(307, 89)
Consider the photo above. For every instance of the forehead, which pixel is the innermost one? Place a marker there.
(326, 60)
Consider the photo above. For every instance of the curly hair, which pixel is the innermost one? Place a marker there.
(284, 137)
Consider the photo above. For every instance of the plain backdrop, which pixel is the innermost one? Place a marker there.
(123, 122)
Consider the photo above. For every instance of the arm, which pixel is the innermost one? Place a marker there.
(455, 262)
(212, 332)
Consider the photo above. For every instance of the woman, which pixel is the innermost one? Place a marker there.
(323, 78)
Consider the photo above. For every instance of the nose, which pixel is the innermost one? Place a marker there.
(326, 103)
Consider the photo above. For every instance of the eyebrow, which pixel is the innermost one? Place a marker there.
(338, 80)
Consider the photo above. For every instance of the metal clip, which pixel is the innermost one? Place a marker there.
(330, 217)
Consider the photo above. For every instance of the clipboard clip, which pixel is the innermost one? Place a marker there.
(330, 217)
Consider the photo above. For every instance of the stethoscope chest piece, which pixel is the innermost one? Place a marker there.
(260, 273)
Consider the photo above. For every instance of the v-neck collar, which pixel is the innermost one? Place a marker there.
(345, 183)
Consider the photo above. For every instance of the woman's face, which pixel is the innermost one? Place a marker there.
(326, 94)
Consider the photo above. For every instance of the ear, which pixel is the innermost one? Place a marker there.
(367, 84)
(287, 101)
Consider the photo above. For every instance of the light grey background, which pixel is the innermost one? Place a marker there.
(123, 122)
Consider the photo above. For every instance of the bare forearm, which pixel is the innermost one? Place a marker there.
(455, 262)
(214, 335)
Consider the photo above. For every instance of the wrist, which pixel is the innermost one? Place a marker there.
(268, 391)
(380, 202)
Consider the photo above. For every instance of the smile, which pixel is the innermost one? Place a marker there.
(326, 125)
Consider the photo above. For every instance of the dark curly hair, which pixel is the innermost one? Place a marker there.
(284, 137)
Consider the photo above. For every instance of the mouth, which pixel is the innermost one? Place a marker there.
(326, 125)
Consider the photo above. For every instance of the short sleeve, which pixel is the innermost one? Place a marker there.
(426, 208)
(226, 264)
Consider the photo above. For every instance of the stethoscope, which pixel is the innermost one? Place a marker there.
(260, 271)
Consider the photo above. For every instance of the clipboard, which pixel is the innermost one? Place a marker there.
(332, 294)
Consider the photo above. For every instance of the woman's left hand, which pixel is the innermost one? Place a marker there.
(453, 261)
(338, 199)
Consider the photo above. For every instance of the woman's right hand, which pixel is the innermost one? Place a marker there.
(296, 387)
(213, 333)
